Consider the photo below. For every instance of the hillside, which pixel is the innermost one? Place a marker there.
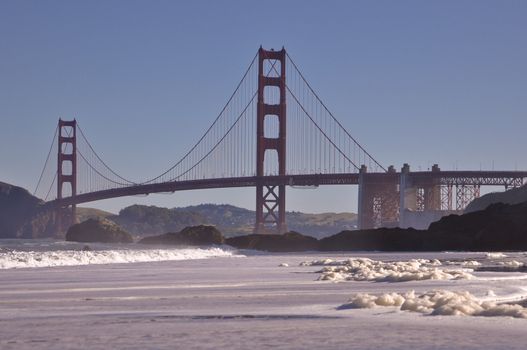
(21, 215)
(147, 220)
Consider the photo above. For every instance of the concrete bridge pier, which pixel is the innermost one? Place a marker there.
(378, 200)
(420, 198)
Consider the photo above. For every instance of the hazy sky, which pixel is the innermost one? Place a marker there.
(420, 82)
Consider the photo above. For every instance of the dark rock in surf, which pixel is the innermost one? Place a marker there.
(385, 239)
(98, 230)
(288, 242)
(193, 235)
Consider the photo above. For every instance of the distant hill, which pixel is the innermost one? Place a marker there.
(321, 225)
(512, 196)
(148, 220)
(22, 216)
(235, 220)
(228, 218)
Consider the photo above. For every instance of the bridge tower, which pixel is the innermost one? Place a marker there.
(270, 200)
(66, 171)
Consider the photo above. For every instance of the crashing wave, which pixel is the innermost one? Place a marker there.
(22, 259)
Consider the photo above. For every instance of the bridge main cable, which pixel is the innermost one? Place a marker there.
(127, 182)
(329, 112)
(210, 127)
(46, 162)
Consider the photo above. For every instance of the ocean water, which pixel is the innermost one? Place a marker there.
(21, 253)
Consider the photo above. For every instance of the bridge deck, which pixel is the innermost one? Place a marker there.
(445, 178)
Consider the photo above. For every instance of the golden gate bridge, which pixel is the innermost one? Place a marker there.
(273, 132)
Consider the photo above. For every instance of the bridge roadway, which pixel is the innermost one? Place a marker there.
(489, 178)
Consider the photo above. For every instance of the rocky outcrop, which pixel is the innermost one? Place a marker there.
(98, 230)
(22, 214)
(498, 227)
(288, 242)
(385, 239)
(512, 196)
(192, 235)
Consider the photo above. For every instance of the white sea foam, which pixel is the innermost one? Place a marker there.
(439, 302)
(22, 259)
(364, 269)
(511, 263)
(496, 255)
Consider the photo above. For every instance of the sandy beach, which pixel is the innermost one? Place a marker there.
(238, 303)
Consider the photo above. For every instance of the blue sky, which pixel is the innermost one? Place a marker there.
(420, 82)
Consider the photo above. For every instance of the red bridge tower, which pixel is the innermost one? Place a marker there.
(270, 200)
(66, 171)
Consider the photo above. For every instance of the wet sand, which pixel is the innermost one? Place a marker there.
(234, 303)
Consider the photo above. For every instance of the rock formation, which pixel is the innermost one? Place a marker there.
(22, 215)
(288, 242)
(384, 239)
(98, 230)
(192, 235)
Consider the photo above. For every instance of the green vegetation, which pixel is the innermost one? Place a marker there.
(147, 220)
(232, 221)
(84, 214)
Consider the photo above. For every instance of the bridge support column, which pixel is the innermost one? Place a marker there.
(364, 214)
(404, 185)
(446, 197)
(422, 197)
(378, 200)
(466, 194)
(270, 200)
(428, 193)
(390, 201)
(66, 173)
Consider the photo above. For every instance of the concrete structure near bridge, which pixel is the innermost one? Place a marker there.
(416, 199)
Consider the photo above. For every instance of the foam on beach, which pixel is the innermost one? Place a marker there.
(495, 255)
(364, 269)
(439, 302)
(22, 259)
(511, 263)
